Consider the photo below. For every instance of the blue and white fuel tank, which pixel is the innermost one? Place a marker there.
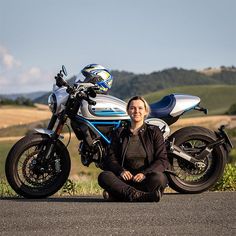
(107, 108)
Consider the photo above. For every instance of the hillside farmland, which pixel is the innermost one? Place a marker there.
(14, 115)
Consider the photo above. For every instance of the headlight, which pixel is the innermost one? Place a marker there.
(52, 102)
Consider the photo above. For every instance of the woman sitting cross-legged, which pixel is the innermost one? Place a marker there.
(137, 159)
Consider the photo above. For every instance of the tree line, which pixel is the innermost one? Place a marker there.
(20, 101)
(127, 84)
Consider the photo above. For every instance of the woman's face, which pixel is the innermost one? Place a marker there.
(137, 111)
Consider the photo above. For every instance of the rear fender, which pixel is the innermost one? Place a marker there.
(221, 134)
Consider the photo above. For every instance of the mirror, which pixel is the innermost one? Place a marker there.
(64, 70)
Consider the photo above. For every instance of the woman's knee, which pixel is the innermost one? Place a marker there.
(104, 177)
(159, 178)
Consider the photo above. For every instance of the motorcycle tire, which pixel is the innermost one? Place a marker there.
(189, 178)
(30, 179)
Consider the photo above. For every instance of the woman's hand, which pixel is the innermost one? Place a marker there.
(126, 175)
(139, 177)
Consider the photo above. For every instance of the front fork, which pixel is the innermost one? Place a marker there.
(53, 130)
(52, 122)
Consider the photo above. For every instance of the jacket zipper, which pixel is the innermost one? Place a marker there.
(124, 153)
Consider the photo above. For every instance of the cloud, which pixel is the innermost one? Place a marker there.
(27, 80)
(7, 60)
(16, 78)
(30, 76)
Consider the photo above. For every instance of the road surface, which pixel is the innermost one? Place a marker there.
(210, 213)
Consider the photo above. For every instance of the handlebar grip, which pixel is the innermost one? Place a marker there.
(91, 102)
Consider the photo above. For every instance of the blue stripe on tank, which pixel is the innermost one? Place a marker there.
(107, 113)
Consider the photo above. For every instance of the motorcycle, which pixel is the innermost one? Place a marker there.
(38, 165)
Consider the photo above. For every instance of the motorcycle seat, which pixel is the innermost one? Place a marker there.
(163, 107)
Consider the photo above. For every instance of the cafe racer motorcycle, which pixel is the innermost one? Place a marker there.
(38, 165)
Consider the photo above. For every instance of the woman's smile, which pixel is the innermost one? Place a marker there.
(137, 112)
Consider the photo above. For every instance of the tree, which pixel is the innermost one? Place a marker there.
(232, 110)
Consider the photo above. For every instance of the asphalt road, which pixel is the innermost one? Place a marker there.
(208, 213)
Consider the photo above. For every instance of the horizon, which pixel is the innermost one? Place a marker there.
(217, 70)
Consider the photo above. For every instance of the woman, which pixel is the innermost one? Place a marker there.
(137, 159)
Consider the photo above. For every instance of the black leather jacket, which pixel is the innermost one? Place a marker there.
(153, 143)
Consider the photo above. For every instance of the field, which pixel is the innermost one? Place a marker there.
(211, 122)
(15, 115)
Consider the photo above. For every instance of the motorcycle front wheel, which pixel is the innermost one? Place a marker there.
(189, 178)
(30, 174)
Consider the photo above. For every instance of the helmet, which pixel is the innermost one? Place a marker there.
(98, 75)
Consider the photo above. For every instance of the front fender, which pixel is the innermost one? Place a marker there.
(45, 131)
(48, 132)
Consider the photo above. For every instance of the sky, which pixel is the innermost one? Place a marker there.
(140, 36)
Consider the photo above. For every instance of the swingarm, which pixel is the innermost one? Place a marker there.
(198, 160)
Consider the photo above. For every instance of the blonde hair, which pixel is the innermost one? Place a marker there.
(147, 107)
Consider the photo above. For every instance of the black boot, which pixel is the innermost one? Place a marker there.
(109, 197)
(134, 195)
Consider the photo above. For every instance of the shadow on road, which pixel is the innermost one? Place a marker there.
(57, 199)
(65, 199)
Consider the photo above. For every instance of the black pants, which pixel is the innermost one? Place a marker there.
(119, 187)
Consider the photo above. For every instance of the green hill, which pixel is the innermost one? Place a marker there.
(216, 98)
(126, 84)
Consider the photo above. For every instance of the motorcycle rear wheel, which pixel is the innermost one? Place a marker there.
(31, 178)
(191, 179)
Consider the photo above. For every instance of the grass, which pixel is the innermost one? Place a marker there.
(85, 186)
(5, 189)
(228, 180)
(4, 149)
(232, 157)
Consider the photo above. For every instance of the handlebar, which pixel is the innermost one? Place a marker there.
(85, 94)
(60, 81)
(91, 102)
(82, 92)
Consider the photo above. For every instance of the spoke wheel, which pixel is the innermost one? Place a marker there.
(32, 175)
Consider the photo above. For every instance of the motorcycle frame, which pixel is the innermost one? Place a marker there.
(79, 120)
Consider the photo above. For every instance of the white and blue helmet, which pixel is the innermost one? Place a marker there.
(98, 75)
